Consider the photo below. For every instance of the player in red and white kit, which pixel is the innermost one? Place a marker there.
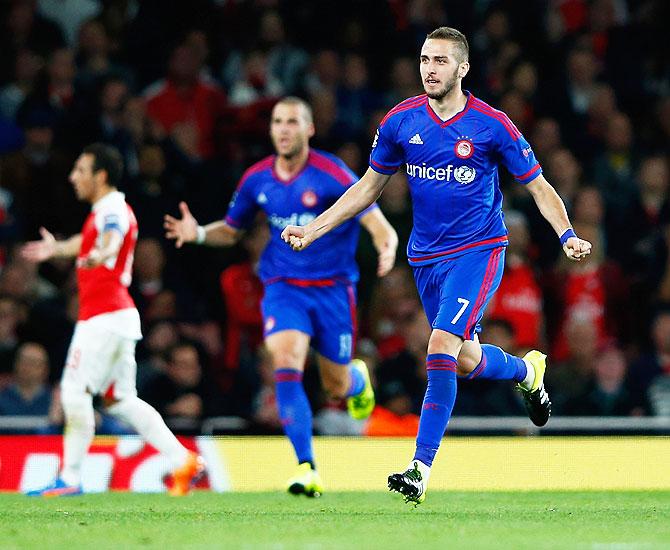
(101, 357)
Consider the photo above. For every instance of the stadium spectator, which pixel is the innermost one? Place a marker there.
(26, 70)
(186, 105)
(653, 365)
(614, 168)
(403, 370)
(519, 297)
(28, 393)
(546, 138)
(605, 394)
(596, 292)
(254, 82)
(181, 390)
(10, 319)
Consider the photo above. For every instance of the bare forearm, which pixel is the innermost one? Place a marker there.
(68, 248)
(356, 199)
(550, 204)
(382, 232)
(220, 234)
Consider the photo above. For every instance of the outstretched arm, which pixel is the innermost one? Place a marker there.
(553, 209)
(187, 230)
(48, 247)
(356, 199)
(384, 238)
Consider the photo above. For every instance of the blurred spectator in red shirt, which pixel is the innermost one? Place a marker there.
(518, 299)
(186, 104)
(242, 293)
(594, 291)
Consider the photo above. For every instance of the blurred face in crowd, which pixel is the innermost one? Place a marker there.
(654, 175)
(291, 128)
(184, 367)
(442, 67)
(32, 365)
(610, 367)
(84, 181)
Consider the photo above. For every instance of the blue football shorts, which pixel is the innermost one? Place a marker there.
(326, 313)
(456, 291)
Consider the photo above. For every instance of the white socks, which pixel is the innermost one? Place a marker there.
(150, 426)
(78, 434)
(527, 382)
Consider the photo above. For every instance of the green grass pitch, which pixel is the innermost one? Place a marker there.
(537, 520)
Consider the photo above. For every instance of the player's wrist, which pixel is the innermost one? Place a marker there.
(200, 235)
(567, 234)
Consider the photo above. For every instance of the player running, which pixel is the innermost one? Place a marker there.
(311, 299)
(101, 357)
(450, 143)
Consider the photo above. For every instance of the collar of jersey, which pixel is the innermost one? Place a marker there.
(275, 175)
(108, 198)
(445, 123)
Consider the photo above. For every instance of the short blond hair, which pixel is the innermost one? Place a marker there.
(449, 33)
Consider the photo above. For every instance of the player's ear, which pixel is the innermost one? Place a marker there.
(311, 130)
(463, 69)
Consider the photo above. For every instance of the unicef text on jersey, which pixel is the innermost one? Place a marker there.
(462, 174)
(280, 222)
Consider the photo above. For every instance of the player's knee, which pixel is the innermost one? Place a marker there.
(286, 359)
(466, 364)
(78, 408)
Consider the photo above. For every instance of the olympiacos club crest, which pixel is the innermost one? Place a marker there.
(464, 149)
(309, 199)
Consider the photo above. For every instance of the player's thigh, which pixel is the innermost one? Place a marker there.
(467, 289)
(333, 313)
(122, 381)
(90, 359)
(428, 284)
(335, 377)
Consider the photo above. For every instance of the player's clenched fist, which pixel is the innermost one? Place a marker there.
(577, 249)
(296, 237)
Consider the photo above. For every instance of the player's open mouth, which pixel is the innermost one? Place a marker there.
(431, 81)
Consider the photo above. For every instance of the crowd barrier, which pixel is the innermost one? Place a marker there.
(354, 463)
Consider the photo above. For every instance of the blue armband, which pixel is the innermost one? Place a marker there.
(566, 235)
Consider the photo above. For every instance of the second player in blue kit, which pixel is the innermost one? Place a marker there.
(449, 143)
(310, 301)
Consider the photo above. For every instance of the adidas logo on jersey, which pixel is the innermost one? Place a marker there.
(416, 139)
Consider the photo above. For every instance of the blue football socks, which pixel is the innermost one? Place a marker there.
(295, 413)
(497, 364)
(437, 405)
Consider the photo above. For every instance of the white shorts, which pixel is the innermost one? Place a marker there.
(100, 362)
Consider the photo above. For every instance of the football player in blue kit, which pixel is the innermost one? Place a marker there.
(310, 299)
(450, 144)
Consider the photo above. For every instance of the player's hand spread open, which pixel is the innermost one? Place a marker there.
(577, 249)
(184, 230)
(39, 251)
(297, 237)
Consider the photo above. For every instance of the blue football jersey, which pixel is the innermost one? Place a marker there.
(452, 169)
(322, 181)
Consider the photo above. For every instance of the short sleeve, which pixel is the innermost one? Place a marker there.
(386, 156)
(242, 207)
(515, 152)
(112, 219)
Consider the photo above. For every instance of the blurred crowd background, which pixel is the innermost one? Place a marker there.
(184, 90)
